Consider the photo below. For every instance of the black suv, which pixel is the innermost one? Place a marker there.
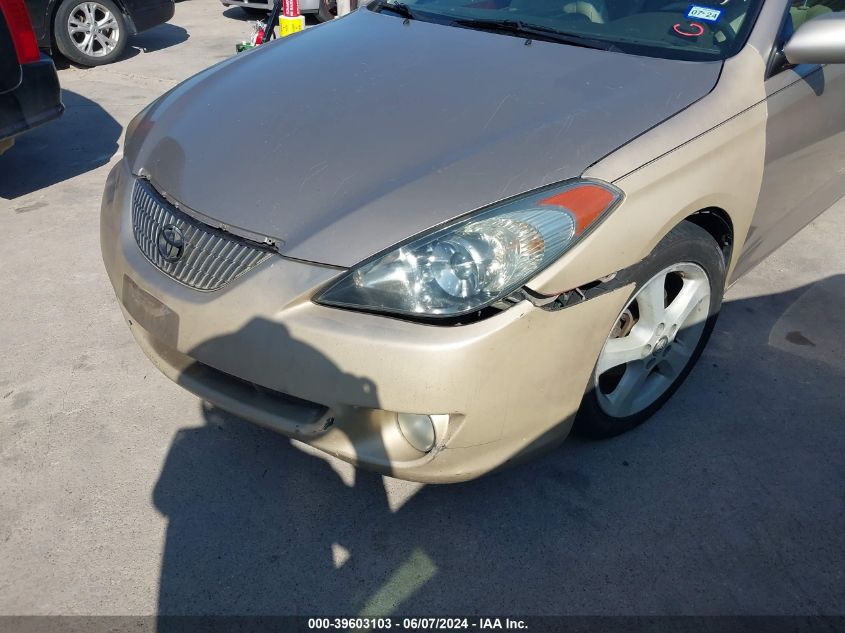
(94, 32)
(29, 87)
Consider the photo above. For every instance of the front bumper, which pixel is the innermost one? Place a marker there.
(260, 348)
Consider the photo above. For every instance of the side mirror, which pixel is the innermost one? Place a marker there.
(820, 40)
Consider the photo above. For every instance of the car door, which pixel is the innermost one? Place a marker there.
(805, 144)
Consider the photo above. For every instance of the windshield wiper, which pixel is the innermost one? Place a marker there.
(400, 8)
(535, 31)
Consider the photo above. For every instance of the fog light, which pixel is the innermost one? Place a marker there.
(418, 430)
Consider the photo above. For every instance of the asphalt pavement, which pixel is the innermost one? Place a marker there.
(120, 493)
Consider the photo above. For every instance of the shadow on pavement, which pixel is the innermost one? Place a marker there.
(726, 502)
(156, 39)
(236, 13)
(84, 138)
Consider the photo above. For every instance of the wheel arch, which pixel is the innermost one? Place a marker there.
(631, 232)
(717, 222)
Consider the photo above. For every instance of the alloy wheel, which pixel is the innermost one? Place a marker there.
(653, 340)
(93, 29)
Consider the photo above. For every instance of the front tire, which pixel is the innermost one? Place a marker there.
(327, 10)
(659, 335)
(90, 32)
(255, 13)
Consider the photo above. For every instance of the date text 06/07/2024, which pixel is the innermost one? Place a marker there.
(416, 624)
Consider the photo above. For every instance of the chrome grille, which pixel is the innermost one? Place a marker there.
(210, 258)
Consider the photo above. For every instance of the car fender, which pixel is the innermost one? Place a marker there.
(665, 181)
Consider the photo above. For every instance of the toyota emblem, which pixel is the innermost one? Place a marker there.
(171, 243)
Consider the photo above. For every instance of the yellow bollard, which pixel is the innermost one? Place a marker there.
(288, 25)
(290, 21)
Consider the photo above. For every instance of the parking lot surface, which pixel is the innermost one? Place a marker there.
(120, 493)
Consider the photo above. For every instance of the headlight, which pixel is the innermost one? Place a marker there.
(478, 259)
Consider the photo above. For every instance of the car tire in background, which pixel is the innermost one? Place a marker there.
(255, 13)
(327, 10)
(659, 335)
(90, 32)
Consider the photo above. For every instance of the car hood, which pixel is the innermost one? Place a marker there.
(347, 138)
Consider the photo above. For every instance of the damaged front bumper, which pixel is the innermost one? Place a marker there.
(496, 389)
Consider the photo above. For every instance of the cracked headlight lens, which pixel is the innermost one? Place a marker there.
(478, 259)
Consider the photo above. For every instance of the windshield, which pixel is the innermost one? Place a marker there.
(707, 30)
